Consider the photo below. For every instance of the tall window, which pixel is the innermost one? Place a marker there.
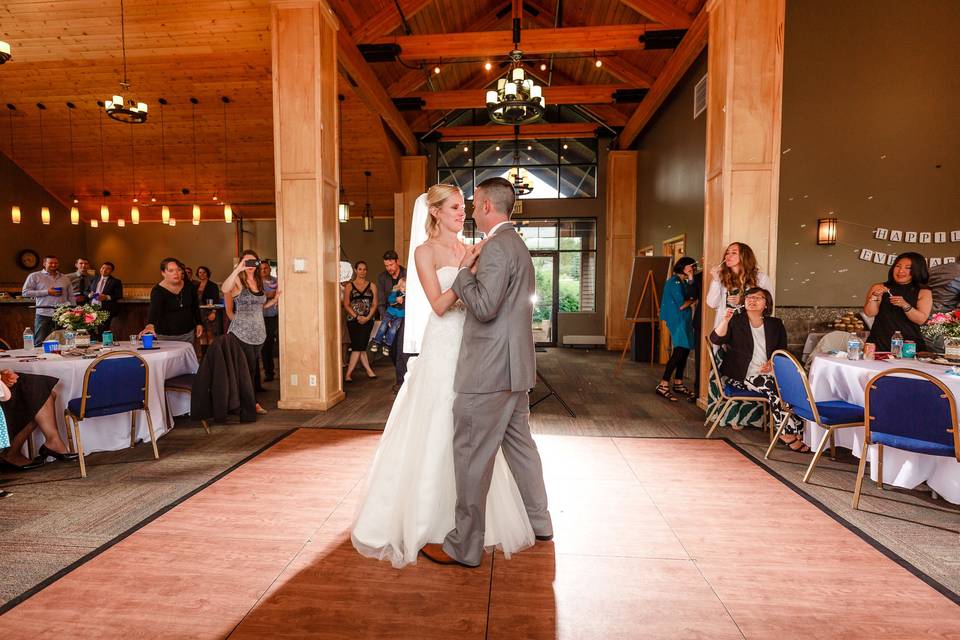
(574, 241)
(560, 168)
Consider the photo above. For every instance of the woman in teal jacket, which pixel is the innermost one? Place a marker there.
(676, 310)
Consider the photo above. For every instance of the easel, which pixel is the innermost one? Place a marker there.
(649, 284)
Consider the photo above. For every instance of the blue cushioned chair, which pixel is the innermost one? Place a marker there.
(116, 382)
(916, 413)
(729, 395)
(794, 390)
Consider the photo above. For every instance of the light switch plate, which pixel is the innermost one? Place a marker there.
(299, 265)
(293, 380)
(313, 380)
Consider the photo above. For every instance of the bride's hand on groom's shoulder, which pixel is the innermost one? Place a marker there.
(469, 258)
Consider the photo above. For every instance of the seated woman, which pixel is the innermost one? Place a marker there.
(750, 338)
(28, 403)
(902, 303)
(174, 307)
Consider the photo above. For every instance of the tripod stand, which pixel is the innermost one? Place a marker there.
(552, 392)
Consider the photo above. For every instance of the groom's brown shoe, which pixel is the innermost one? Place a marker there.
(544, 538)
(435, 553)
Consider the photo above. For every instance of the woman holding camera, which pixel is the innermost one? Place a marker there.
(245, 301)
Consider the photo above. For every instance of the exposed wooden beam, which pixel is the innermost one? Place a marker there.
(498, 132)
(450, 46)
(388, 19)
(372, 92)
(663, 11)
(684, 56)
(572, 94)
(609, 114)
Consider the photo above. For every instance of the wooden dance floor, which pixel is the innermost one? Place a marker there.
(655, 538)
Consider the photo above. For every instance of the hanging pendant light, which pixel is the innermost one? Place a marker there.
(14, 209)
(343, 210)
(74, 210)
(367, 209)
(164, 210)
(134, 210)
(165, 214)
(135, 214)
(519, 176)
(119, 107)
(94, 224)
(193, 116)
(121, 223)
(104, 209)
(227, 209)
(44, 211)
(104, 213)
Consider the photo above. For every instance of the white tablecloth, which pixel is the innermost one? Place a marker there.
(112, 433)
(841, 379)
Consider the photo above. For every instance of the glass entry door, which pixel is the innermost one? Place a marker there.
(546, 265)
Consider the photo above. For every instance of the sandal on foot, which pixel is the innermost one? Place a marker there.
(684, 391)
(796, 445)
(664, 391)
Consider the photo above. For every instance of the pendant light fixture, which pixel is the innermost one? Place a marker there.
(227, 209)
(104, 209)
(44, 211)
(94, 223)
(367, 209)
(14, 209)
(134, 210)
(121, 223)
(164, 210)
(74, 209)
(120, 107)
(343, 210)
(193, 115)
(173, 222)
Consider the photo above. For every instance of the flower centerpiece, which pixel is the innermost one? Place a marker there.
(85, 317)
(942, 333)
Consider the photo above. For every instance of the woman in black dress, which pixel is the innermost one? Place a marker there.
(174, 307)
(360, 303)
(28, 402)
(902, 303)
(207, 289)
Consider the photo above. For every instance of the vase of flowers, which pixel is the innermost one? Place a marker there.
(81, 319)
(942, 333)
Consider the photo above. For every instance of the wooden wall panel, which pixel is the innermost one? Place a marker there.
(621, 242)
(413, 182)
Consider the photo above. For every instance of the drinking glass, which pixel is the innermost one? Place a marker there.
(133, 341)
(69, 339)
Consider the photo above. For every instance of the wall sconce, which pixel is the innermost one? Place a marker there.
(15, 214)
(827, 231)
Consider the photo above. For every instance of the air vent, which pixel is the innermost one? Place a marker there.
(662, 39)
(379, 52)
(700, 97)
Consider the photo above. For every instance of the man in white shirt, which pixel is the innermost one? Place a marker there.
(51, 289)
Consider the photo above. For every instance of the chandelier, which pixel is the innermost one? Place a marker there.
(518, 99)
(518, 176)
(119, 107)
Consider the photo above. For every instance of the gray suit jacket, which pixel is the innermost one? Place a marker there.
(497, 352)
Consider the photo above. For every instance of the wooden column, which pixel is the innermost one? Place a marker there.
(413, 182)
(745, 88)
(621, 243)
(304, 38)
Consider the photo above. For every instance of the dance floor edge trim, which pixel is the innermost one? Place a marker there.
(46, 582)
(889, 553)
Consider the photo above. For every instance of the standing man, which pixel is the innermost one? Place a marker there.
(50, 289)
(271, 318)
(80, 281)
(386, 281)
(106, 291)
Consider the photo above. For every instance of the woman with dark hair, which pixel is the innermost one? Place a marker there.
(737, 273)
(360, 303)
(244, 301)
(750, 336)
(902, 303)
(676, 310)
(207, 289)
(174, 308)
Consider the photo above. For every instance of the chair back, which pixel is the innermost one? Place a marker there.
(714, 366)
(116, 379)
(918, 407)
(792, 385)
(835, 340)
(4, 345)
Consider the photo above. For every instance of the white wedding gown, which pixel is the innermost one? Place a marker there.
(410, 494)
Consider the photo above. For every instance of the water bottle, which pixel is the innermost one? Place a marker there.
(896, 344)
(854, 348)
(28, 339)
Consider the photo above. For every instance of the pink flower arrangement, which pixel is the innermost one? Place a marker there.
(942, 325)
(83, 317)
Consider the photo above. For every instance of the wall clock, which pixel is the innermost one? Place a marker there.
(28, 259)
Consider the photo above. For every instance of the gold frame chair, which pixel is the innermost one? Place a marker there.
(816, 414)
(717, 414)
(861, 468)
(73, 421)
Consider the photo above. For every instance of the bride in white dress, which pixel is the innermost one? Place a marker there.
(410, 492)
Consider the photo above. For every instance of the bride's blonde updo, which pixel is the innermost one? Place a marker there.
(436, 196)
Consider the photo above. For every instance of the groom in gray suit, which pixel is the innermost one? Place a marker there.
(495, 371)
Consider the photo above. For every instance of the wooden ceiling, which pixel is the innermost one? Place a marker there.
(70, 51)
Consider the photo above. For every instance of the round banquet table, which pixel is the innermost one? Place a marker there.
(111, 433)
(833, 378)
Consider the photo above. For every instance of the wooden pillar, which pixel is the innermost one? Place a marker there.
(621, 243)
(304, 39)
(413, 182)
(745, 88)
